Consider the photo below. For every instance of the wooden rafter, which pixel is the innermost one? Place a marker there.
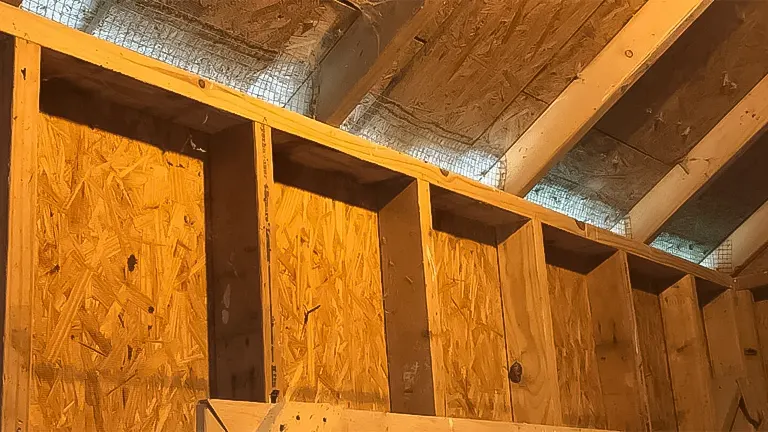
(638, 45)
(365, 52)
(749, 239)
(734, 133)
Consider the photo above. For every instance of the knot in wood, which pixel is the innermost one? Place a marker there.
(516, 372)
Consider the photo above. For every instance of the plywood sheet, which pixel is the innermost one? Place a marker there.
(471, 332)
(695, 83)
(328, 274)
(650, 332)
(120, 335)
(484, 55)
(577, 369)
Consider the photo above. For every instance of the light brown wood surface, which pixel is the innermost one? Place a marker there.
(617, 346)
(688, 356)
(120, 337)
(581, 394)
(327, 269)
(19, 103)
(528, 324)
(471, 330)
(650, 330)
(761, 325)
(735, 132)
(749, 239)
(244, 417)
(645, 37)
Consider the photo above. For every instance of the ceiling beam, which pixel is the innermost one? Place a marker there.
(634, 49)
(748, 240)
(365, 52)
(733, 134)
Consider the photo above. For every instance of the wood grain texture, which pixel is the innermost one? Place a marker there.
(120, 341)
(245, 416)
(616, 345)
(582, 48)
(471, 331)
(581, 394)
(756, 390)
(484, 55)
(722, 56)
(687, 355)
(241, 352)
(405, 283)
(528, 324)
(19, 106)
(761, 325)
(327, 268)
(653, 349)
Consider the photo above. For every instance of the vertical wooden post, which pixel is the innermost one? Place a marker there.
(406, 283)
(528, 324)
(617, 346)
(19, 113)
(688, 359)
(242, 353)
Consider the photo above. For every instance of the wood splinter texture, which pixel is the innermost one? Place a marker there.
(120, 334)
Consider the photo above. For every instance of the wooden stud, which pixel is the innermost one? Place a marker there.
(647, 35)
(365, 52)
(242, 349)
(734, 133)
(617, 346)
(748, 240)
(761, 325)
(688, 359)
(403, 240)
(528, 324)
(19, 104)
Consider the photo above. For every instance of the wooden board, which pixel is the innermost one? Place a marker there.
(221, 415)
(616, 345)
(528, 324)
(471, 331)
(120, 335)
(761, 324)
(653, 349)
(718, 60)
(688, 358)
(578, 376)
(19, 105)
(327, 271)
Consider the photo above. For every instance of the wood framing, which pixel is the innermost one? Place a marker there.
(749, 239)
(647, 35)
(365, 52)
(19, 105)
(222, 415)
(735, 132)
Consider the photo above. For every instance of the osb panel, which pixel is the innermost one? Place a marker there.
(726, 201)
(120, 335)
(582, 48)
(581, 395)
(328, 274)
(653, 350)
(695, 83)
(481, 58)
(471, 330)
(617, 174)
(271, 24)
(512, 123)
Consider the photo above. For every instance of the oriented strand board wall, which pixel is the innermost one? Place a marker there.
(581, 395)
(120, 335)
(472, 328)
(328, 274)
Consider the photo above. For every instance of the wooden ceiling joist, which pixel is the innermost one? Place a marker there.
(637, 46)
(365, 52)
(749, 239)
(734, 133)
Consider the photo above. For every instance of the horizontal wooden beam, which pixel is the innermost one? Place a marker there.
(734, 133)
(637, 46)
(365, 52)
(221, 415)
(159, 75)
(748, 240)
